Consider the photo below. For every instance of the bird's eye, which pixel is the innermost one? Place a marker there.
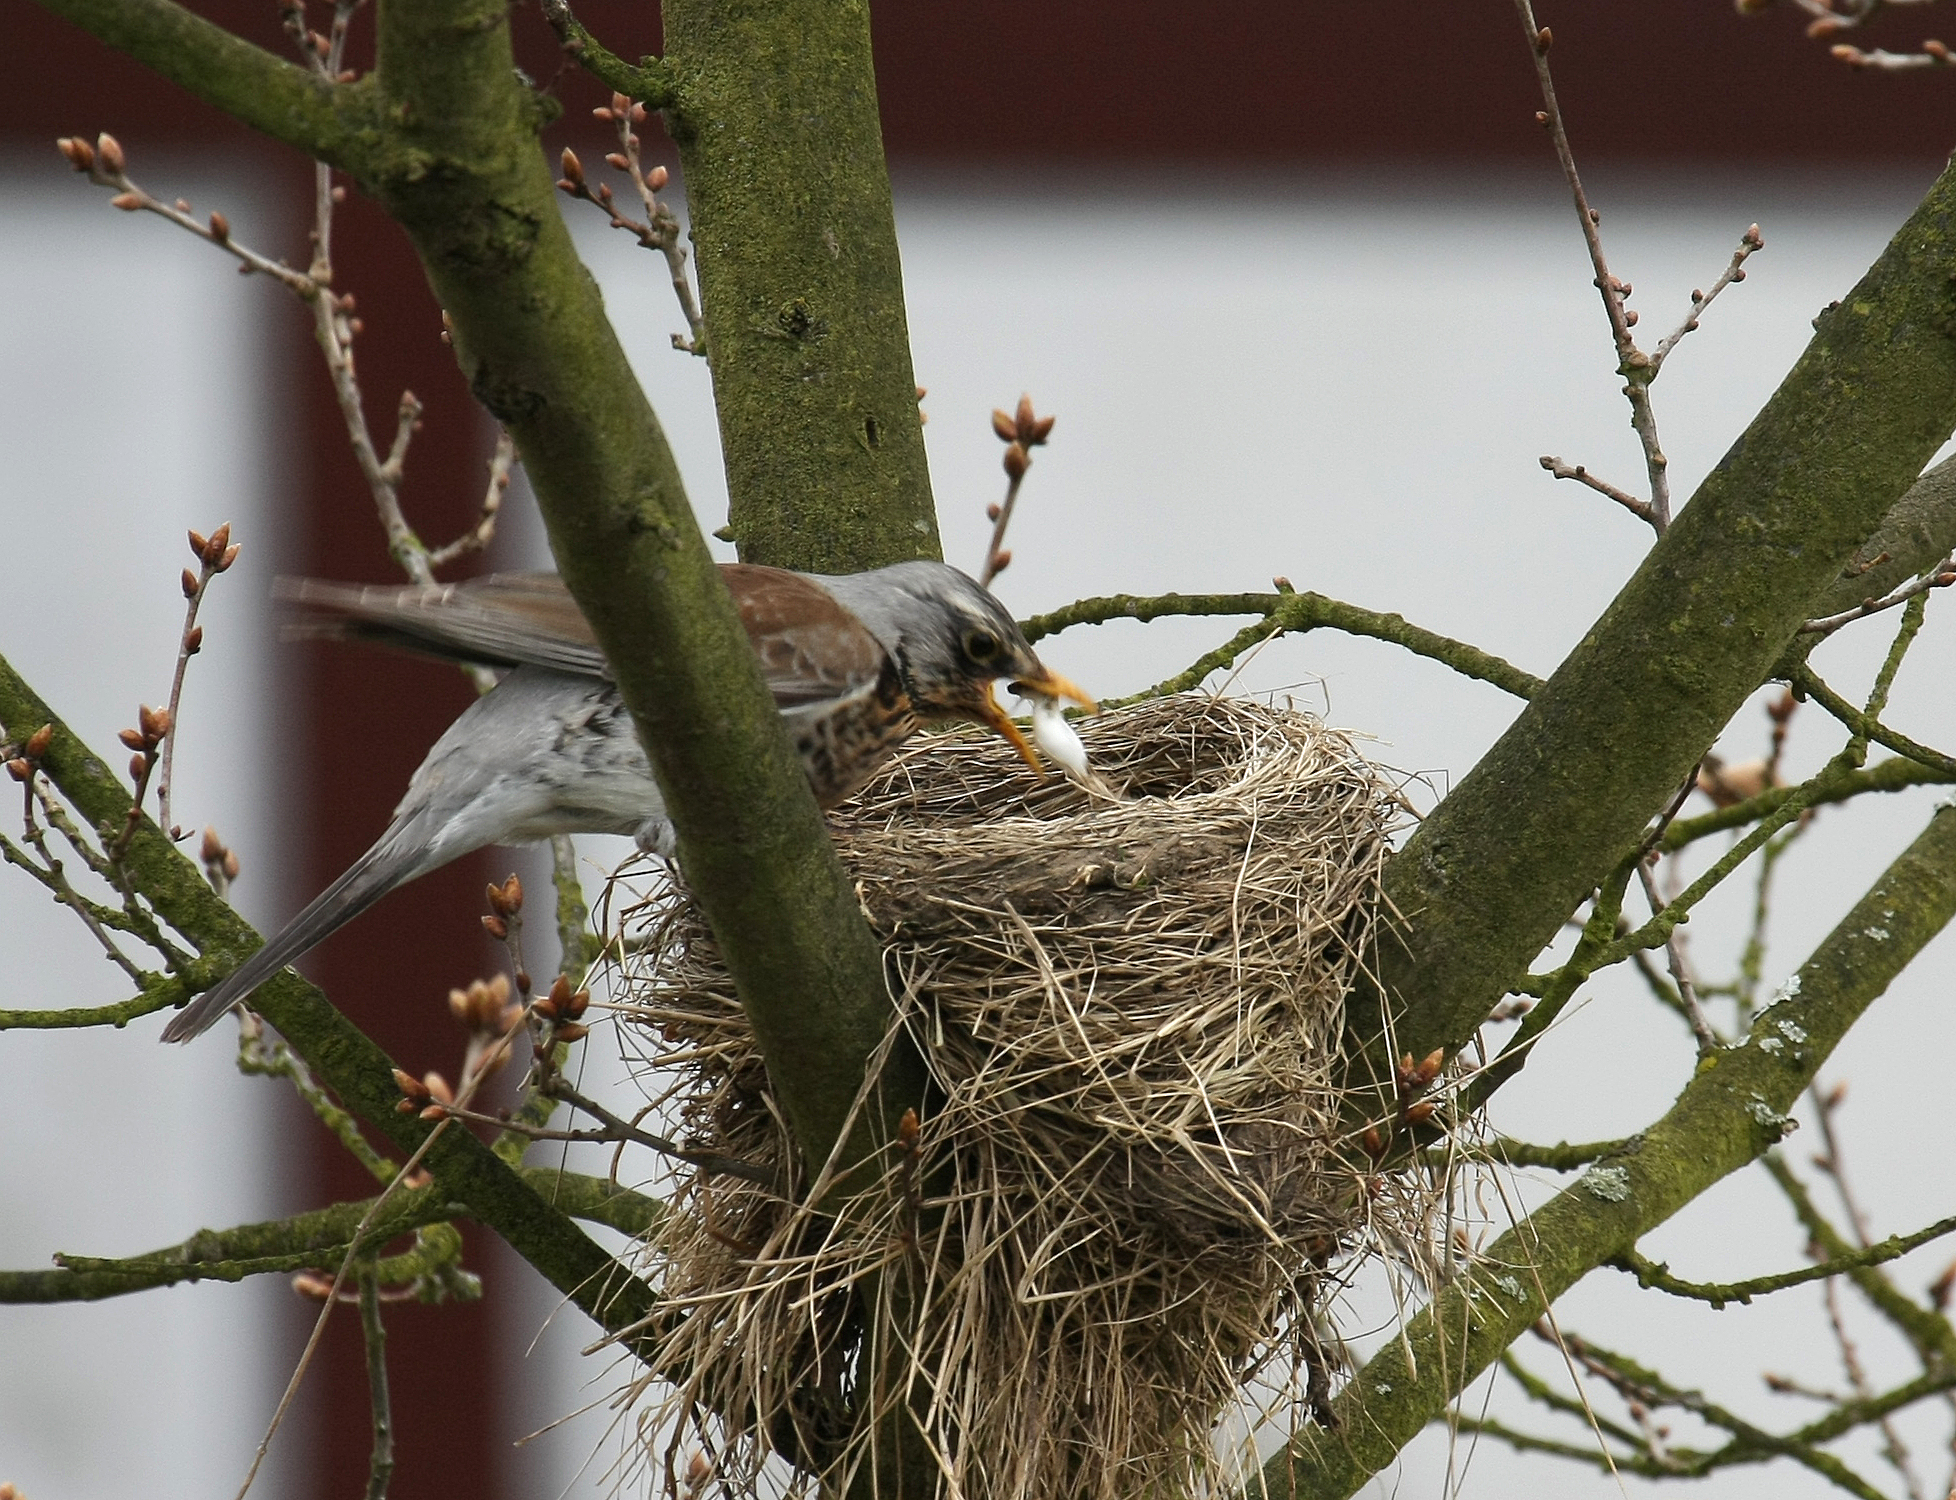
(981, 645)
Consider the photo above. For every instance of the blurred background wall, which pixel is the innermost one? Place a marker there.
(1301, 284)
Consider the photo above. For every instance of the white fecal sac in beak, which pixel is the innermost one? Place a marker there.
(1055, 735)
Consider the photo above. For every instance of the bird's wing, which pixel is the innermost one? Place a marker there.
(503, 620)
(811, 648)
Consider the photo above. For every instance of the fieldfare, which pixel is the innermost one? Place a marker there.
(855, 664)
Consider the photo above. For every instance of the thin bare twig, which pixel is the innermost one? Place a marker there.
(380, 1468)
(1941, 576)
(660, 230)
(1021, 431)
(1637, 368)
(1638, 508)
(1681, 975)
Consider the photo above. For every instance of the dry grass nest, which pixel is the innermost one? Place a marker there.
(1103, 1250)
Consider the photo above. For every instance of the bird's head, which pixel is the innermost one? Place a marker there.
(952, 641)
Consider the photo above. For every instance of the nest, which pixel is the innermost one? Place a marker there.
(1112, 1221)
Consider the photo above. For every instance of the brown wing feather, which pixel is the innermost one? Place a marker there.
(811, 648)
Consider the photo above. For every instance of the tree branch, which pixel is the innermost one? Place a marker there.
(795, 239)
(1657, 1274)
(330, 121)
(1293, 613)
(338, 1052)
(317, 1240)
(1492, 873)
(650, 82)
(1732, 1110)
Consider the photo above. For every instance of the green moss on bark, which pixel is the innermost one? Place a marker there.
(775, 116)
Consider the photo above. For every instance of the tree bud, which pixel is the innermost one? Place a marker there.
(127, 202)
(109, 149)
(189, 581)
(39, 740)
(1004, 426)
(81, 155)
(138, 764)
(220, 228)
(1017, 461)
(573, 168)
(194, 641)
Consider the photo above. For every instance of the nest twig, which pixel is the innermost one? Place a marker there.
(1116, 1214)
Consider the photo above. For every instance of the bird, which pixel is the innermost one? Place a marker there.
(856, 662)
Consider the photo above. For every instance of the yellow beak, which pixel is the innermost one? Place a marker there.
(1046, 685)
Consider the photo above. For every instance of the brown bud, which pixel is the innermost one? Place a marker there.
(1541, 117)
(437, 1087)
(601, 113)
(339, 195)
(573, 168)
(1004, 426)
(81, 155)
(194, 641)
(409, 1085)
(1420, 1113)
(617, 159)
(657, 178)
(220, 227)
(1941, 1288)
(1430, 1065)
(1283, 585)
(1024, 420)
(1001, 559)
(578, 1004)
(1629, 318)
(1372, 1141)
(39, 740)
(132, 739)
(512, 895)
(314, 1286)
(1017, 461)
(189, 582)
(230, 866)
(434, 1112)
(908, 1130)
(1041, 430)
(992, 512)
(212, 849)
(109, 149)
(523, 980)
(699, 1469)
(560, 991)
(545, 1009)
(155, 722)
(405, 1107)
(638, 113)
(223, 564)
(496, 927)
(138, 767)
(1543, 41)
(1826, 26)
(620, 105)
(572, 1032)
(1936, 49)
(199, 544)
(127, 202)
(19, 769)
(420, 1177)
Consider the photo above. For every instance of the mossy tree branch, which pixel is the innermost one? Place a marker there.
(774, 112)
(318, 1240)
(1291, 613)
(333, 122)
(1733, 1109)
(1567, 790)
(465, 1170)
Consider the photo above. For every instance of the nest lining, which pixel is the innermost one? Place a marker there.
(1117, 1208)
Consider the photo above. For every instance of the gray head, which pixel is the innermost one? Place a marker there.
(951, 641)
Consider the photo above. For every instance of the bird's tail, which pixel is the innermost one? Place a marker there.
(389, 863)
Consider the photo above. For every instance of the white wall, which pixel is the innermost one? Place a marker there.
(133, 405)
